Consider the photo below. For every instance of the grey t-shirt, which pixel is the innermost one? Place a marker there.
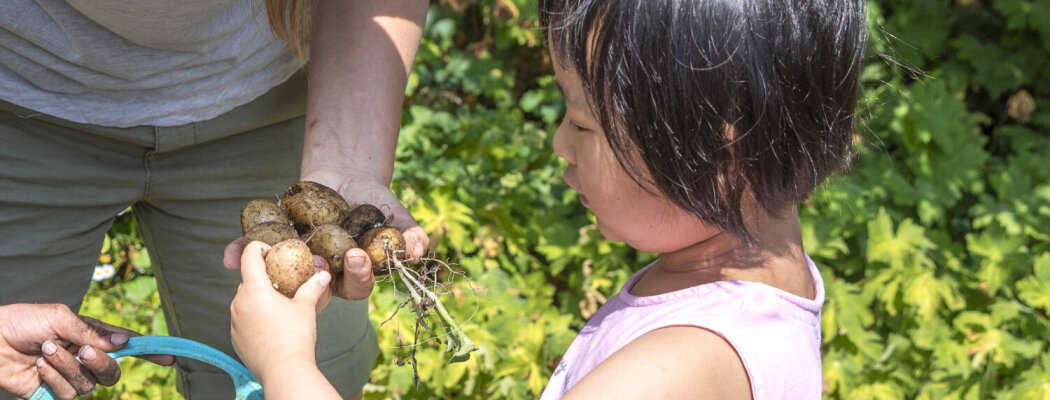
(124, 63)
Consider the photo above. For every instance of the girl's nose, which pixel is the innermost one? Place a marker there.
(561, 144)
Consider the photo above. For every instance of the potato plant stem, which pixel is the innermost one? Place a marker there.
(458, 342)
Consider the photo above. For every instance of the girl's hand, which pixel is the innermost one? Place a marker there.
(355, 283)
(270, 331)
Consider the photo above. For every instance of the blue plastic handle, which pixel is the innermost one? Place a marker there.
(246, 385)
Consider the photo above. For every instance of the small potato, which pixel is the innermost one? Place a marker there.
(362, 218)
(289, 264)
(271, 233)
(331, 242)
(310, 204)
(379, 242)
(261, 210)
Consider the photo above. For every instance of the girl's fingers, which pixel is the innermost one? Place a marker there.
(312, 291)
(253, 267)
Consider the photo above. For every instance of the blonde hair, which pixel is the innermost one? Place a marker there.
(290, 20)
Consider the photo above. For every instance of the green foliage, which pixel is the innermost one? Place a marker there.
(128, 297)
(934, 247)
(937, 247)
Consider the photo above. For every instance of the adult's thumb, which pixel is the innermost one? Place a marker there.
(313, 290)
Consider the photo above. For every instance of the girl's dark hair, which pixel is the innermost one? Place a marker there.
(719, 97)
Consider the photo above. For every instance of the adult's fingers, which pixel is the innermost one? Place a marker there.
(58, 384)
(416, 242)
(357, 280)
(103, 367)
(231, 256)
(118, 336)
(78, 377)
(74, 329)
(253, 266)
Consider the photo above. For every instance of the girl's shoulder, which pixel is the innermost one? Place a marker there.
(770, 336)
(673, 362)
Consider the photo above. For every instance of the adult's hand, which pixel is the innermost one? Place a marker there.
(356, 281)
(361, 55)
(360, 190)
(39, 343)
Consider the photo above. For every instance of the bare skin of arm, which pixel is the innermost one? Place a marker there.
(283, 359)
(675, 363)
(361, 54)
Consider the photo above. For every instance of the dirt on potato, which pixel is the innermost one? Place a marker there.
(381, 243)
(311, 204)
(331, 242)
(271, 233)
(261, 210)
(361, 219)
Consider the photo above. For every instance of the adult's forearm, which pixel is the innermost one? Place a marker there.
(361, 55)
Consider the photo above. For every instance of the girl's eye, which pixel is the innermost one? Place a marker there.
(576, 126)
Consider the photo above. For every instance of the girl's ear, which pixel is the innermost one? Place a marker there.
(727, 180)
(730, 132)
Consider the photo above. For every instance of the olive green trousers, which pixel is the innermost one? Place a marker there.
(62, 183)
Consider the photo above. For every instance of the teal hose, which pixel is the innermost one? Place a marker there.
(246, 385)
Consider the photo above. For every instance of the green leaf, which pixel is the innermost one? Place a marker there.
(876, 391)
(140, 289)
(904, 249)
(999, 256)
(928, 294)
(1035, 289)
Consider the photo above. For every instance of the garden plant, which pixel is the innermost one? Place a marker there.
(934, 246)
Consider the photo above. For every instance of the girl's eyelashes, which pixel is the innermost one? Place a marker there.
(576, 126)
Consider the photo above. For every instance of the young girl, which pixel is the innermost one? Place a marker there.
(693, 129)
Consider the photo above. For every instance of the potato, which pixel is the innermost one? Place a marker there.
(361, 219)
(271, 233)
(331, 242)
(379, 242)
(261, 210)
(311, 204)
(289, 264)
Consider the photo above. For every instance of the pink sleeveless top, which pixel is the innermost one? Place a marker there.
(776, 334)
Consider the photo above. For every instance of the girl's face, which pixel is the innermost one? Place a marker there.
(624, 210)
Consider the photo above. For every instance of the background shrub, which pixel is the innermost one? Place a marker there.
(934, 248)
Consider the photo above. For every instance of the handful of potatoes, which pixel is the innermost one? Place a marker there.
(309, 219)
